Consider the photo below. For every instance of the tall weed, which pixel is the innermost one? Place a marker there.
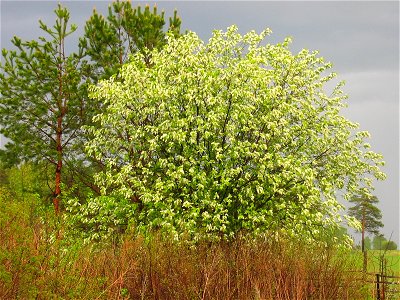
(37, 262)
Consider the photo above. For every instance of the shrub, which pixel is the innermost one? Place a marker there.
(218, 138)
(99, 218)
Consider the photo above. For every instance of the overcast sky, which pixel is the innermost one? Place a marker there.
(360, 38)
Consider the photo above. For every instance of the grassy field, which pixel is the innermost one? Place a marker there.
(390, 259)
(378, 261)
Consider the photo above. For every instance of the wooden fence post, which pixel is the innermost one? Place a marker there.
(378, 292)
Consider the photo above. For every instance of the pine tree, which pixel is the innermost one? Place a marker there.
(368, 214)
(110, 40)
(44, 101)
(42, 98)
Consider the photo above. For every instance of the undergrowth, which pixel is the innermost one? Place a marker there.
(38, 263)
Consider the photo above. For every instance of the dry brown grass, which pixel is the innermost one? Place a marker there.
(33, 267)
(238, 270)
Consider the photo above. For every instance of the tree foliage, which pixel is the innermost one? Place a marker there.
(391, 245)
(379, 242)
(110, 40)
(44, 101)
(99, 218)
(229, 136)
(42, 97)
(367, 243)
(366, 211)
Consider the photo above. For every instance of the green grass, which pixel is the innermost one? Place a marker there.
(390, 259)
(391, 263)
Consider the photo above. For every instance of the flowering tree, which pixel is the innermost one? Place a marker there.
(229, 136)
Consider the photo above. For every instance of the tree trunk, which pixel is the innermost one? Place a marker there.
(363, 243)
(57, 189)
(59, 130)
